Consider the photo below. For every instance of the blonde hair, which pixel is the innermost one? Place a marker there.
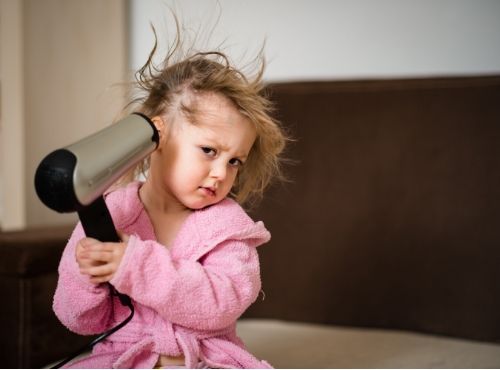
(212, 72)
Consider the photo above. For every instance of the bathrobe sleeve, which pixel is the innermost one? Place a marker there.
(83, 307)
(207, 290)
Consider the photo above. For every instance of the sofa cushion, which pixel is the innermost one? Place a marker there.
(33, 251)
(299, 345)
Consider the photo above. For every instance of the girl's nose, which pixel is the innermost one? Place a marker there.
(218, 171)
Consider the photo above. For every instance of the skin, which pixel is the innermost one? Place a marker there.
(195, 166)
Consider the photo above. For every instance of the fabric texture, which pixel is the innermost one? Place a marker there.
(187, 297)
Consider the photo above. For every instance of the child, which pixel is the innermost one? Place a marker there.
(188, 256)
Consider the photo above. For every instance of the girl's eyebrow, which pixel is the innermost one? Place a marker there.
(212, 139)
(243, 157)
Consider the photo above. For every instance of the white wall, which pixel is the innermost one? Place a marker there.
(57, 76)
(12, 131)
(319, 39)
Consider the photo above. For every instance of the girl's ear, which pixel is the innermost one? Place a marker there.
(160, 126)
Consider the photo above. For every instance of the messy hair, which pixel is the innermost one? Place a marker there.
(193, 72)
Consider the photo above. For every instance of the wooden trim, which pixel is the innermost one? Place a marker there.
(12, 148)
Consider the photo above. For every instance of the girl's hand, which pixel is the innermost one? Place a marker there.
(100, 260)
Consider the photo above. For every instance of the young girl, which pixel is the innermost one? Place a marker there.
(188, 257)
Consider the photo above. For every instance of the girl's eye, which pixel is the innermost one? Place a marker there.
(209, 151)
(235, 162)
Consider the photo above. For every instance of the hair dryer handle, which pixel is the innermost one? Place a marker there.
(97, 222)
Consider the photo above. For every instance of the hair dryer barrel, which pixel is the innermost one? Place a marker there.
(73, 177)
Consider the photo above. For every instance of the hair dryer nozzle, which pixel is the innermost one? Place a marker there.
(54, 181)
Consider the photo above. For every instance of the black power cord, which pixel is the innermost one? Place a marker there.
(124, 300)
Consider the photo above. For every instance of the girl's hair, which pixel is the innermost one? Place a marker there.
(187, 73)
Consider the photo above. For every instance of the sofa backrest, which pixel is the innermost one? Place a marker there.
(392, 215)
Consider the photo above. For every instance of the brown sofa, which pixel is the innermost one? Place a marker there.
(386, 241)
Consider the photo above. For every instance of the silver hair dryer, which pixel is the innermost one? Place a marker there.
(75, 177)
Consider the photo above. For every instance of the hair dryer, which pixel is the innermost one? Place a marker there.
(74, 178)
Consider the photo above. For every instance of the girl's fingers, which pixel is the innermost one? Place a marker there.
(100, 279)
(98, 271)
(101, 252)
(85, 263)
(99, 256)
(100, 260)
(101, 247)
(88, 242)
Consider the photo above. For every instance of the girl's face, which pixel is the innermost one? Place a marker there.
(198, 163)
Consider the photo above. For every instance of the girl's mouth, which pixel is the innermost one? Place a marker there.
(208, 191)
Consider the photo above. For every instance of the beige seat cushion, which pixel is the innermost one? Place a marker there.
(299, 345)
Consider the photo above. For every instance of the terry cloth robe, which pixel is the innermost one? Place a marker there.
(187, 297)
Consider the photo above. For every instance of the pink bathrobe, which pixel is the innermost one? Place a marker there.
(187, 297)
